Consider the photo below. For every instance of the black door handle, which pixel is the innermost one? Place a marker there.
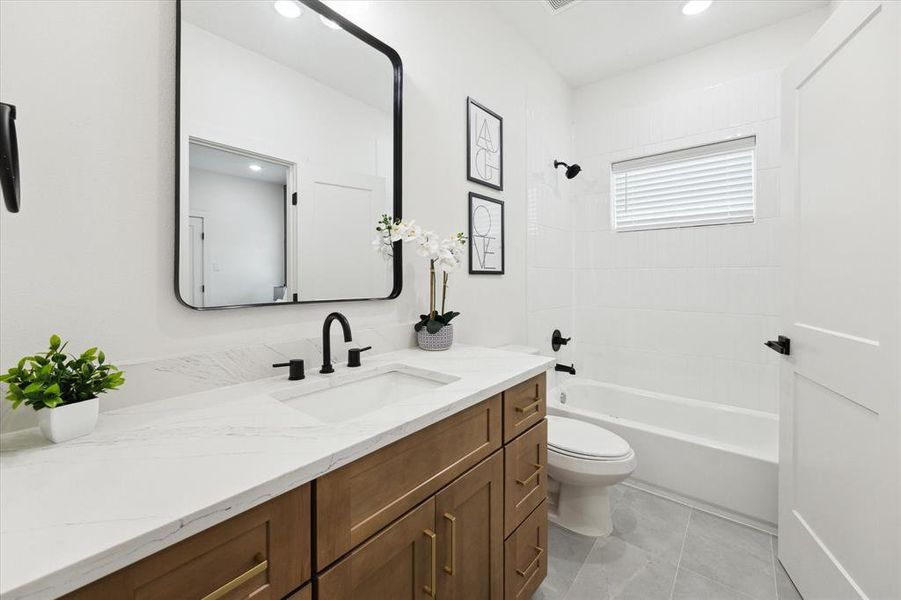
(782, 345)
(9, 157)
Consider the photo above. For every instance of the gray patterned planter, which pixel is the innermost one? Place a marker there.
(436, 341)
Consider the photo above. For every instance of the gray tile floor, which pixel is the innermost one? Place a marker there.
(662, 550)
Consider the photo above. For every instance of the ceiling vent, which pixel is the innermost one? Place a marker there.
(558, 6)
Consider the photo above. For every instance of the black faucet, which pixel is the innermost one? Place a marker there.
(571, 369)
(327, 343)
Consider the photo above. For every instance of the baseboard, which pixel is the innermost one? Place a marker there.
(703, 506)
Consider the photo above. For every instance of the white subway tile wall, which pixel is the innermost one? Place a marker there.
(679, 311)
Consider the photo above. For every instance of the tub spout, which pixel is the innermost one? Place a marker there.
(571, 369)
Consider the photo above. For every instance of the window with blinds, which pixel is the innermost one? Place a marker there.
(705, 185)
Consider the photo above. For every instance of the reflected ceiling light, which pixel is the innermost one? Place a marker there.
(255, 168)
(696, 7)
(287, 8)
(329, 23)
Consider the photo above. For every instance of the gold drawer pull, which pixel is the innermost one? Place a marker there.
(528, 407)
(453, 552)
(260, 567)
(430, 589)
(538, 469)
(534, 562)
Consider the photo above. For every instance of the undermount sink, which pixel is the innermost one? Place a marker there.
(348, 396)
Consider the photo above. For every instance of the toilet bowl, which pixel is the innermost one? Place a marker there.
(584, 460)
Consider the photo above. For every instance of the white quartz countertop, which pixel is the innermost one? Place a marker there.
(156, 473)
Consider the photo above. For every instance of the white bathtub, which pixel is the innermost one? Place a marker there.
(716, 457)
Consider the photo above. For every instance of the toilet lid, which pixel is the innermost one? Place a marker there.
(581, 439)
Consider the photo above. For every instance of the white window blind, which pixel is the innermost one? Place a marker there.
(705, 185)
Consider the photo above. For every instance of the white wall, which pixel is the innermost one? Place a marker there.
(683, 311)
(244, 231)
(91, 254)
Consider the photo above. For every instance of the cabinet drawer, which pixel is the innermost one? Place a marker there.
(357, 500)
(525, 475)
(524, 405)
(525, 556)
(263, 553)
(400, 562)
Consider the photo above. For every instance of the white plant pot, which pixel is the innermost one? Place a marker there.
(69, 421)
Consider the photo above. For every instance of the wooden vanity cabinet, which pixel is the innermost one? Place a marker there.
(357, 500)
(263, 553)
(456, 511)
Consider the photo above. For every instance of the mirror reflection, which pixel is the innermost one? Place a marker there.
(286, 134)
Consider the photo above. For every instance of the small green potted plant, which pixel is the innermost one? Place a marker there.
(434, 330)
(63, 388)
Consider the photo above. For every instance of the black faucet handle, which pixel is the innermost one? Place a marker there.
(295, 368)
(353, 356)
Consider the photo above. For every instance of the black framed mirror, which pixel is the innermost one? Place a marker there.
(288, 150)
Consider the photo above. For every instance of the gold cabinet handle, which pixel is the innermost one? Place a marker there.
(538, 469)
(430, 589)
(534, 562)
(260, 567)
(453, 552)
(528, 407)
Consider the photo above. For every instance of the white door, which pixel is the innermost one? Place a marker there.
(839, 503)
(338, 261)
(195, 228)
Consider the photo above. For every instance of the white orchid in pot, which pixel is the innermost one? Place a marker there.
(434, 330)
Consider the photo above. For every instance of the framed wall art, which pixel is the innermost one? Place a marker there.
(484, 145)
(486, 235)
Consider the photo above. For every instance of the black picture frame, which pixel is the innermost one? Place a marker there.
(476, 264)
(470, 103)
(397, 154)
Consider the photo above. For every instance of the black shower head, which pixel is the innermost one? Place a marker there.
(571, 170)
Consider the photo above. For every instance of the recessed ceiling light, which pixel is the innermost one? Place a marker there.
(287, 8)
(255, 168)
(329, 23)
(696, 7)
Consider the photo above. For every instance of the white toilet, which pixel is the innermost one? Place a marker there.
(584, 460)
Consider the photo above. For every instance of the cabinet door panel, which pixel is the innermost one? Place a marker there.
(398, 563)
(525, 475)
(470, 514)
(525, 556)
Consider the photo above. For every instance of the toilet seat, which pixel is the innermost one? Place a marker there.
(585, 441)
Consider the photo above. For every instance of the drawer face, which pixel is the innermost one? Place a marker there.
(525, 556)
(357, 500)
(524, 406)
(262, 553)
(525, 475)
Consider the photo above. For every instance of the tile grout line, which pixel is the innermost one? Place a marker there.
(579, 572)
(719, 583)
(672, 590)
(773, 557)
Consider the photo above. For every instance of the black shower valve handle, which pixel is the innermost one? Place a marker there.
(558, 340)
